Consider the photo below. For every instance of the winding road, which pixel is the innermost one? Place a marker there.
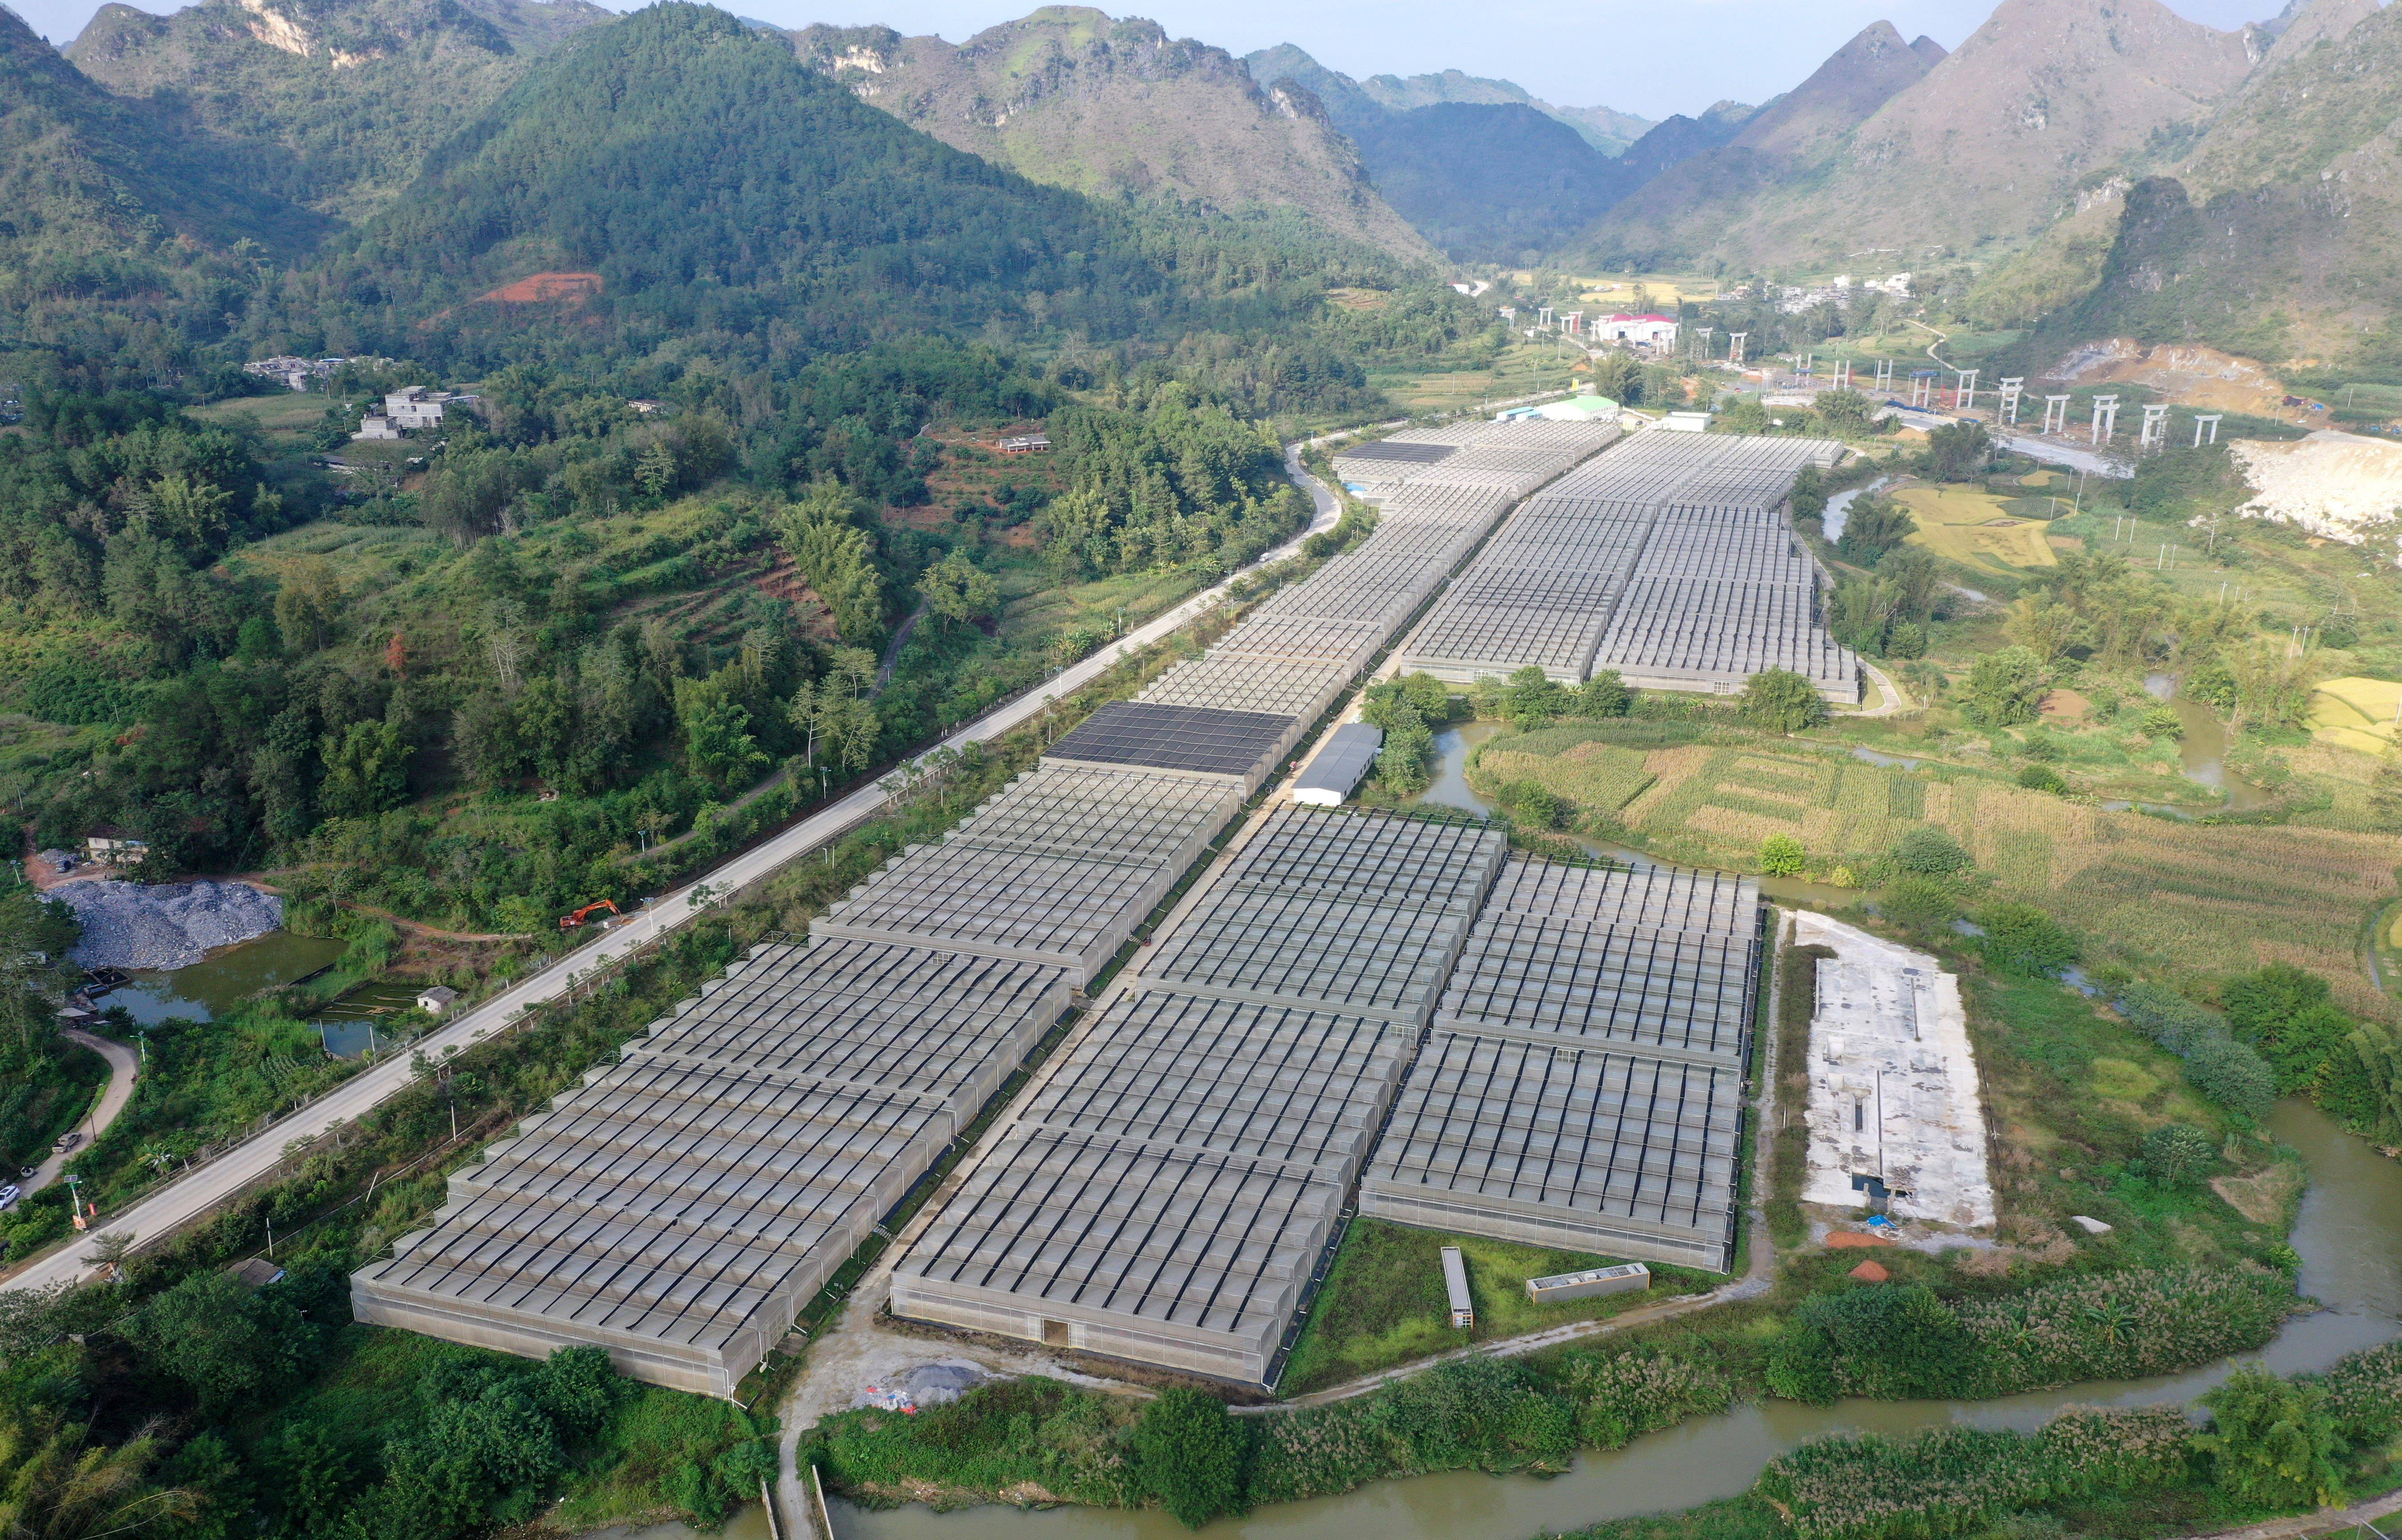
(195, 1193)
(123, 1065)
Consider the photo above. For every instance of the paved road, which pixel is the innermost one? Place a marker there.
(197, 1192)
(123, 1065)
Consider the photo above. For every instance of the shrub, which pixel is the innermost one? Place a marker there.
(2365, 1392)
(1782, 701)
(2161, 722)
(2177, 1153)
(1190, 1451)
(1781, 855)
(1629, 1394)
(1893, 1342)
(2273, 1441)
(2043, 777)
(1930, 852)
(2023, 939)
(1958, 1481)
(1477, 1412)
(2227, 1072)
(2122, 1325)
(1919, 903)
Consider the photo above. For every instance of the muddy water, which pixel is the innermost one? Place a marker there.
(2202, 747)
(218, 984)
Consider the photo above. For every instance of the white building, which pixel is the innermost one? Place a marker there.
(415, 407)
(376, 425)
(1645, 331)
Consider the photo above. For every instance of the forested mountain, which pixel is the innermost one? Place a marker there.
(333, 104)
(1072, 98)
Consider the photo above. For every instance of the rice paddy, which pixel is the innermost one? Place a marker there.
(2355, 713)
(2190, 898)
(1976, 528)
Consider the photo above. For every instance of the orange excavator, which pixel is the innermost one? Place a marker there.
(571, 922)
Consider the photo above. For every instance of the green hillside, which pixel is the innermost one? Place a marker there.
(333, 103)
(107, 214)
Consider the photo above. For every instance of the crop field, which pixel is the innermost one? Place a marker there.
(287, 416)
(1524, 368)
(1977, 528)
(1590, 775)
(2355, 713)
(1667, 290)
(2192, 898)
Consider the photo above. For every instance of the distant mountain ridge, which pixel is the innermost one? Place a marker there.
(1351, 102)
(1072, 97)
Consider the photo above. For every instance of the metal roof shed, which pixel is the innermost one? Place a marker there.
(1349, 753)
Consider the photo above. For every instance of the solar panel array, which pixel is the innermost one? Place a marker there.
(682, 1207)
(1670, 560)
(1169, 1187)
(1581, 1086)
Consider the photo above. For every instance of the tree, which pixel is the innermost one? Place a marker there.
(2043, 627)
(1958, 452)
(1782, 701)
(2385, 792)
(1846, 413)
(1190, 1453)
(1874, 524)
(1394, 707)
(309, 606)
(958, 591)
(367, 769)
(2286, 1013)
(2022, 939)
(2273, 1441)
(1917, 579)
(56, 1485)
(1781, 855)
(835, 557)
(2177, 1153)
(1890, 1340)
(1532, 699)
(2006, 688)
(225, 1344)
(716, 729)
(1604, 694)
(1860, 611)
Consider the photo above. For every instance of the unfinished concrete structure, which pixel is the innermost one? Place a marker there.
(1582, 1085)
(684, 1204)
(1175, 1179)
(1895, 1119)
(1672, 561)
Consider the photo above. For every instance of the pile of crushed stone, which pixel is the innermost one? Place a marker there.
(172, 925)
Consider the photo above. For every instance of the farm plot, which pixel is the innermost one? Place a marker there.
(1977, 528)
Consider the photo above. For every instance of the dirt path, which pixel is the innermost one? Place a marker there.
(891, 658)
(2331, 1523)
(124, 1064)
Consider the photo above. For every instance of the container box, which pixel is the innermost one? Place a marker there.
(1626, 1278)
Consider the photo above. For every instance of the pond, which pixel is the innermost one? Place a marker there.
(2202, 747)
(222, 982)
(365, 1020)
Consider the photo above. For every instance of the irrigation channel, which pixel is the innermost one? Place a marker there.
(2349, 1234)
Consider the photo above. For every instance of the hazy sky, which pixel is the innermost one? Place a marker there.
(1653, 57)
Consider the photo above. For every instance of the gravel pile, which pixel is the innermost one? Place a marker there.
(173, 924)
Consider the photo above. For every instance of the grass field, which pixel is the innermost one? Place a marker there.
(2355, 713)
(1976, 528)
(1384, 1303)
(1525, 368)
(288, 417)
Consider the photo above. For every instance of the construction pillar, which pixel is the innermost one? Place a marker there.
(1703, 335)
(2156, 425)
(1922, 389)
(1964, 395)
(1885, 374)
(2012, 388)
(2212, 420)
(1841, 376)
(1734, 346)
(2106, 420)
(2055, 414)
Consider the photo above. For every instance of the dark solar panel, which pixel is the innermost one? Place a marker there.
(1407, 454)
(1195, 738)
